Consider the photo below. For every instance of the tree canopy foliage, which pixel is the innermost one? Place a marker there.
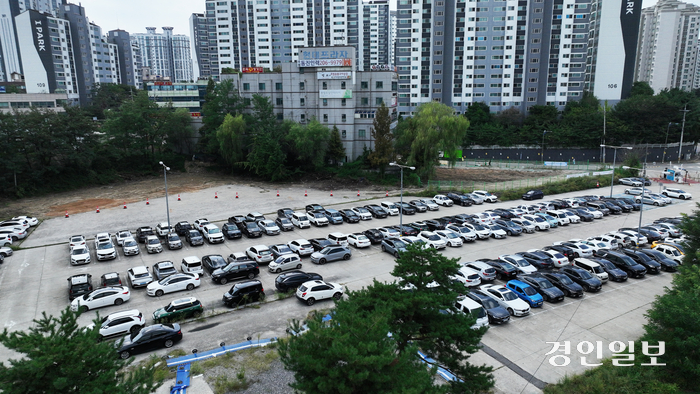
(58, 356)
(423, 317)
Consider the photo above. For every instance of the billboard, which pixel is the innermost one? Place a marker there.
(327, 57)
(254, 70)
(383, 67)
(341, 93)
(37, 59)
(333, 75)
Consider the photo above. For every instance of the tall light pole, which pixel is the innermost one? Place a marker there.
(663, 157)
(401, 207)
(167, 206)
(685, 110)
(612, 178)
(543, 134)
(641, 209)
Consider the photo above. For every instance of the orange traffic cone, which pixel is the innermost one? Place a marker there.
(147, 203)
(98, 210)
(124, 204)
(66, 213)
(331, 193)
(278, 193)
(178, 197)
(236, 194)
(597, 184)
(216, 195)
(358, 193)
(305, 195)
(387, 193)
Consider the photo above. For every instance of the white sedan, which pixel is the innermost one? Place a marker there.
(467, 277)
(527, 225)
(359, 240)
(101, 297)
(465, 232)
(637, 191)
(558, 259)
(31, 220)
(269, 227)
(661, 197)
(389, 232)
(538, 221)
(121, 235)
(363, 213)
(80, 255)
(76, 240)
(430, 204)
(520, 263)
(453, 239)
(173, 283)
(433, 240)
(675, 193)
(441, 199)
(507, 299)
(496, 231)
(488, 197)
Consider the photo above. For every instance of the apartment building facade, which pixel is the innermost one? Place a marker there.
(165, 54)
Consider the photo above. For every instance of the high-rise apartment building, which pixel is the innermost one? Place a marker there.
(238, 33)
(129, 56)
(612, 48)
(392, 43)
(505, 53)
(166, 54)
(667, 50)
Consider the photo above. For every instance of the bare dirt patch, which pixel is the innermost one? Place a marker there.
(198, 176)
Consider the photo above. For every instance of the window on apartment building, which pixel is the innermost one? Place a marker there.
(325, 118)
(343, 134)
(301, 85)
(278, 85)
(302, 102)
(342, 85)
(364, 101)
(325, 86)
(325, 102)
(344, 118)
(279, 101)
(364, 85)
(344, 102)
(261, 86)
(379, 85)
(246, 86)
(361, 133)
(378, 101)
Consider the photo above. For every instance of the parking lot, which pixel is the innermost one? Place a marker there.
(34, 280)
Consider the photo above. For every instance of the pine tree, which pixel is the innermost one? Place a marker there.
(383, 152)
(336, 150)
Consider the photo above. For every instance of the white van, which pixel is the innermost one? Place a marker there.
(469, 306)
(338, 238)
(390, 207)
(592, 267)
(192, 265)
(562, 217)
(301, 220)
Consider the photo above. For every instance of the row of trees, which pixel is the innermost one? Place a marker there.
(50, 151)
(644, 117)
(371, 343)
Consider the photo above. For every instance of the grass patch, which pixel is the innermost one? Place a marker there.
(608, 378)
(161, 370)
(223, 384)
(284, 295)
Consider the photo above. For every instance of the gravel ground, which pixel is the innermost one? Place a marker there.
(274, 381)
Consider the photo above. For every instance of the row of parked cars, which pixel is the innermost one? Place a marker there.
(564, 269)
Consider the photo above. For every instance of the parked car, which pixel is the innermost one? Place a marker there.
(543, 286)
(467, 276)
(260, 253)
(377, 211)
(285, 213)
(182, 228)
(300, 220)
(349, 216)
(363, 213)
(173, 283)
(231, 231)
(285, 262)
(442, 200)
(121, 235)
(451, 238)
(110, 279)
(333, 216)
(564, 283)
(200, 223)
(254, 217)
(194, 237)
(162, 229)
(149, 338)
(312, 291)
(533, 195)
(430, 203)
(389, 207)
(120, 323)
(80, 255)
(183, 308)
(79, 285)
(269, 227)
(631, 182)
(460, 199)
(284, 224)
(212, 234)
(525, 292)
(318, 219)
(585, 279)
(301, 247)
(375, 236)
(519, 262)
(293, 279)
(314, 208)
(591, 266)
(243, 293)
(320, 243)
(509, 227)
(192, 265)
(651, 265)
(359, 240)
(495, 312)
(143, 232)
(331, 253)
(418, 205)
(506, 298)
(250, 229)
(393, 246)
(624, 263)
(669, 265)
(540, 260)
(76, 240)
(236, 270)
(615, 274)
(213, 262)
(504, 269)
(100, 298)
(173, 241)
(163, 269)
(153, 244)
(676, 193)
(139, 276)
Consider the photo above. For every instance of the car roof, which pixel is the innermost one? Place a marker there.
(117, 315)
(181, 301)
(141, 269)
(79, 279)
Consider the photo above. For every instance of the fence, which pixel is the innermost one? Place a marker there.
(495, 186)
(529, 165)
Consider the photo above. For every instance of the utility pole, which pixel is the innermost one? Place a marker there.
(680, 145)
(605, 105)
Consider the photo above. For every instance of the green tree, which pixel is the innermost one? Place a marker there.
(221, 99)
(310, 143)
(383, 152)
(267, 159)
(106, 96)
(641, 88)
(230, 136)
(58, 356)
(435, 128)
(336, 150)
(352, 353)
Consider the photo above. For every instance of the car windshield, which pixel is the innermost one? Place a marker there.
(529, 291)
(489, 303)
(557, 255)
(319, 215)
(545, 284)
(305, 245)
(140, 274)
(104, 246)
(585, 274)
(151, 241)
(173, 237)
(607, 265)
(251, 225)
(76, 239)
(129, 242)
(264, 252)
(433, 237)
(284, 221)
(565, 280)
(217, 261)
(509, 296)
(519, 262)
(194, 233)
(214, 231)
(451, 235)
(399, 244)
(361, 238)
(525, 223)
(361, 210)
(78, 251)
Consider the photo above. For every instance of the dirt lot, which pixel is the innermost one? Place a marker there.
(198, 177)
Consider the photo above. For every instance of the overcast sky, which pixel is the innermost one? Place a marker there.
(134, 15)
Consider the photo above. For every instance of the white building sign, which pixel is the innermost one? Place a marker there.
(341, 93)
(333, 75)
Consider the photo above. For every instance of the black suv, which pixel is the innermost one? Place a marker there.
(213, 262)
(79, 285)
(250, 229)
(314, 208)
(244, 292)
(539, 260)
(143, 232)
(460, 199)
(639, 257)
(231, 231)
(235, 271)
(182, 228)
(375, 236)
(285, 213)
(194, 237)
(293, 279)
(623, 262)
(349, 216)
(320, 243)
(377, 211)
(533, 195)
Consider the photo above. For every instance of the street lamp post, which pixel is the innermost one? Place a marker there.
(401, 207)
(167, 206)
(685, 110)
(615, 148)
(663, 157)
(641, 209)
(543, 134)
